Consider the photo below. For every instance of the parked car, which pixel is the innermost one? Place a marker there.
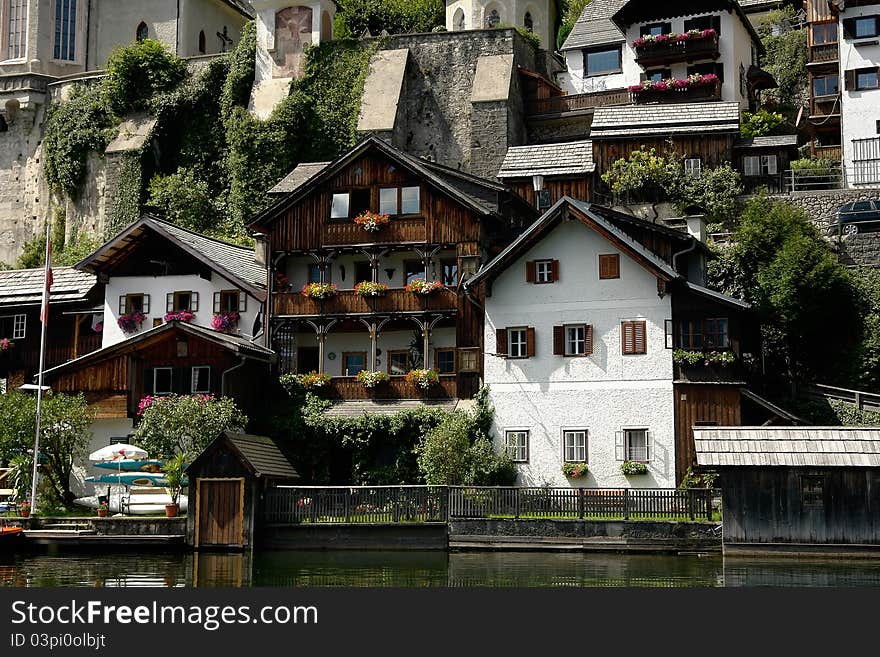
(858, 216)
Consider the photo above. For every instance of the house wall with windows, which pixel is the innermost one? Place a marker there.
(605, 392)
(860, 95)
(157, 289)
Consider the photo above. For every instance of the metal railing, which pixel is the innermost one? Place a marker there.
(815, 179)
(355, 504)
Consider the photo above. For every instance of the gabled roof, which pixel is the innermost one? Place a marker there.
(809, 447)
(237, 264)
(476, 194)
(627, 121)
(580, 210)
(302, 172)
(777, 141)
(22, 287)
(261, 455)
(561, 159)
(717, 296)
(236, 344)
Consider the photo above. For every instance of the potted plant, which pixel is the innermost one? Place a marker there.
(318, 291)
(6, 344)
(131, 322)
(633, 468)
(421, 286)
(282, 283)
(575, 470)
(225, 322)
(370, 289)
(371, 221)
(24, 509)
(422, 379)
(103, 509)
(180, 316)
(175, 475)
(371, 378)
(314, 380)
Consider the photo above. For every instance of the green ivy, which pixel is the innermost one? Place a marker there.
(762, 123)
(138, 71)
(127, 202)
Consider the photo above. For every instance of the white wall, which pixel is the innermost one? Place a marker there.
(102, 432)
(157, 287)
(604, 392)
(512, 12)
(210, 16)
(860, 110)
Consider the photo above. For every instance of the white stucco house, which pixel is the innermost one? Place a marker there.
(581, 320)
(536, 16)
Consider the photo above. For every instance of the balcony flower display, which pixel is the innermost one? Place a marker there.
(180, 316)
(225, 322)
(371, 221)
(282, 283)
(674, 37)
(314, 380)
(421, 286)
(673, 84)
(706, 358)
(319, 290)
(422, 379)
(131, 322)
(371, 378)
(6, 344)
(633, 468)
(575, 470)
(370, 289)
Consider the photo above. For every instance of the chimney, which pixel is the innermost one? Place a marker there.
(261, 249)
(696, 226)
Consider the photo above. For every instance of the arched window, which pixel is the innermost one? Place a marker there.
(143, 32)
(458, 20)
(493, 17)
(202, 48)
(528, 23)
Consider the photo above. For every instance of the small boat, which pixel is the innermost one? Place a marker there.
(131, 465)
(130, 479)
(10, 536)
(139, 501)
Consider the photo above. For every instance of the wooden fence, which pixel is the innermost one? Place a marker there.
(864, 401)
(420, 504)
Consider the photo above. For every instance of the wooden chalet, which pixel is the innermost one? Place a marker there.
(75, 320)
(544, 173)
(443, 225)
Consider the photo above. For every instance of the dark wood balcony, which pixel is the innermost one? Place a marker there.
(692, 94)
(397, 387)
(347, 302)
(396, 231)
(825, 106)
(656, 54)
(832, 153)
(556, 105)
(825, 53)
(714, 373)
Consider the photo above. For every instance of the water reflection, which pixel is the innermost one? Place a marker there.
(422, 569)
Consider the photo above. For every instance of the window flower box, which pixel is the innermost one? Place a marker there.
(131, 322)
(371, 222)
(421, 286)
(371, 378)
(423, 379)
(225, 322)
(695, 81)
(705, 358)
(319, 291)
(632, 468)
(6, 344)
(575, 470)
(370, 289)
(180, 316)
(676, 47)
(314, 380)
(674, 37)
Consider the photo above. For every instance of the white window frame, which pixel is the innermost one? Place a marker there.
(156, 370)
(693, 166)
(387, 206)
(194, 378)
(569, 342)
(403, 200)
(543, 271)
(522, 346)
(518, 452)
(340, 195)
(575, 453)
(19, 326)
(623, 450)
(14, 37)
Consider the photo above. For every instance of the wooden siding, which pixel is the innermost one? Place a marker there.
(348, 387)
(694, 403)
(818, 11)
(577, 188)
(711, 149)
(399, 230)
(348, 302)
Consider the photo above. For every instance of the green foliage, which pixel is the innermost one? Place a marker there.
(174, 473)
(138, 71)
(394, 16)
(570, 11)
(184, 198)
(21, 475)
(68, 254)
(812, 166)
(762, 123)
(530, 37)
(127, 202)
(633, 468)
(692, 479)
(713, 192)
(183, 424)
(785, 59)
(865, 355)
(834, 412)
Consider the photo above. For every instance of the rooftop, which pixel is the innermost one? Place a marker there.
(568, 158)
(25, 286)
(675, 118)
(292, 181)
(777, 141)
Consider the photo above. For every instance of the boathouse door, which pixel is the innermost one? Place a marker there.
(219, 512)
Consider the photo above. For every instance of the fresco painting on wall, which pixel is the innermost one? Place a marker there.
(293, 32)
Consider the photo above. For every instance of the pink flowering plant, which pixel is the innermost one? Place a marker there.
(225, 321)
(674, 37)
(693, 81)
(574, 470)
(6, 344)
(180, 316)
(371, 221)
(131, 322)
(422, 286)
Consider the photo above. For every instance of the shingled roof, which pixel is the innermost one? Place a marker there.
(22, 287)
(298, 176)
(777, 141)
(843, 447)
(567, 158)
(676, 118)
(259, 454)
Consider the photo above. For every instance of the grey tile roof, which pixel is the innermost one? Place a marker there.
(264, 455)
(595, 27)
(357, 408)
(25, 286)
(788, 446)
(757, 5)
(778, 141)
(298, 176)
(717, 296)
(568, 158)
(665, 119)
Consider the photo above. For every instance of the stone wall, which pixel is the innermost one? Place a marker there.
(822, 205)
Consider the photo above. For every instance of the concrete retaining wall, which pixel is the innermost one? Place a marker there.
(354, 537)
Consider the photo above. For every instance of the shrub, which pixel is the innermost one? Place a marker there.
(633, 468)
(137, 71)
(762, 123)
(185, 199)
(394, 16)
(574, 470)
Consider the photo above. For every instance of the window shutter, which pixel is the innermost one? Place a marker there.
(648, 445)
(619, 452)
(558, 340)
(530, 342)
(554, 270)
(849, 27)
(751, 165)
(146, 304)
(122, 304)
(216, 302)
(609, 266)
(670, 336)
(169, 302)
(501, 342)
(588, 339)
(530, 271)
(627, 338)
(639, 338)
(849, 80)
(242, 301)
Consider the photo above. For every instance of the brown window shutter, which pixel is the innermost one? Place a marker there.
(849, 27)
(530, 271)
(849, 80)
(554, 270)
(640, 344)
(558, 340)
(588, 339)
(501, 342)
(627, 338)
(530, 341)
(609, 266)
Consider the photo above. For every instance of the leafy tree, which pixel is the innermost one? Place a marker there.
(185, 199)
(184, 424)
(394, 16)
(137, 71)
(444, 455)
(785, 58)
(762, 123)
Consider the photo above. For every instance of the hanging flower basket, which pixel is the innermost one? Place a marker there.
(131, 322)
(371, 378)
(423, 379)
(370, 289)
(180, 316)
(225, 322)
(319, 290)
(633, 468)
(371, 221)
(421, 286)
(282, 283)
(6, 344)
(575, 470)
(314, 380)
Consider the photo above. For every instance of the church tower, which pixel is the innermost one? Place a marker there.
(536, 16)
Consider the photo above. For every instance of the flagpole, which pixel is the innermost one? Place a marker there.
(44, 321)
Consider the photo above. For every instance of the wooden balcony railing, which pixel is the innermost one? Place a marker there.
(826, 52)
(398, 230)
(716, 373)
(397, 387)
(577, 102)
(651, 54)
(346, 302)
(687, 95)
(832, 153)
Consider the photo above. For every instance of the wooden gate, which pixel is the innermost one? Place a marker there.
(219, 512)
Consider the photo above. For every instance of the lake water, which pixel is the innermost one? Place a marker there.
(422, 569)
